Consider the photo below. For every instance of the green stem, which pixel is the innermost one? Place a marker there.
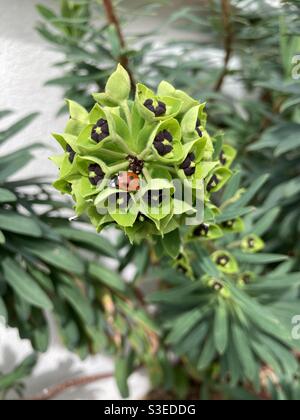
(168, 168)
(147, 175)
(117, 168)
(123, 144)
(116, 155)
(128, 116)
(145, 153)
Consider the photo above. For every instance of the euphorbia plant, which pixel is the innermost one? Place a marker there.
(141, 152)
(131, 163)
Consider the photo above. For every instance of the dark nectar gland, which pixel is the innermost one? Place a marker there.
(213, 183)
(202, 230)
(100, 130)
(223, 260)
(159, 110)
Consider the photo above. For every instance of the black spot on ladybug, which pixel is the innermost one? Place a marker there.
(100, 130)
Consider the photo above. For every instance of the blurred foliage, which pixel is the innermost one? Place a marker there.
(13, 381)
(49, 264)
(223, 330)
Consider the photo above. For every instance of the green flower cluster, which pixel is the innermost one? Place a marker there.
(121, 159)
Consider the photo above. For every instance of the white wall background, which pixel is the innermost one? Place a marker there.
(25, 65)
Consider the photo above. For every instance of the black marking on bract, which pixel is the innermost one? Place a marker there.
(135, 165)
(251, 243)
(187, 166)
(223, 158)
(213, 183)
(159, 110)
(223, 260)
(246, 278)
(162, 142)
(71, 153)
(198, 125)
(100, 130)
(201, 230)
(182, 269)
(96, 174)
(228, 224)
(218, 286)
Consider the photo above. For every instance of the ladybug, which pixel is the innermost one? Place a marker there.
(126, 181)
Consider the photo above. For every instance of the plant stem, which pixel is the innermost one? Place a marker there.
(52, 392)
(127, 113)
(113, 19)
(118, 168)
(228, 40)
(121, 142)
(147, 175)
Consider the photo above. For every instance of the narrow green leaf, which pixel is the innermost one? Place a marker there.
(19, 373)
(264, 224)
(221, 327)
(122, 372)
(88, 239)
(171, 243)
(243, 349)
(2, 238)
(251, 192)
(24, 286)
(183, 324)
(259, 258)
(7, 196)
(107, 277)
(13, 222)
(54, 254)
(208, 353)
(78, 302)
(17, 127)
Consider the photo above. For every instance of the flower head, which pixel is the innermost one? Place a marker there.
(121, 161)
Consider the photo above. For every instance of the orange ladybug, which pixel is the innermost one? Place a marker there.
(128, 181)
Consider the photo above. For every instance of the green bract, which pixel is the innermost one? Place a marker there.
(143, 165)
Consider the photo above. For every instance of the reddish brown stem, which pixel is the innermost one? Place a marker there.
(52, 392)
(228, 39)
(113, 19)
